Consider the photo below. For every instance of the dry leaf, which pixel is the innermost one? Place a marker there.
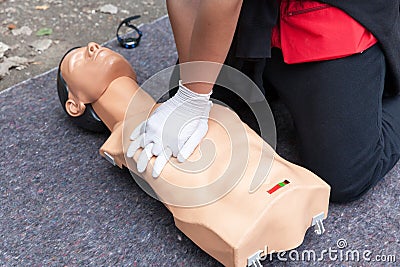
(41, 45)
(44, 7)
(109, 9)
(11, 26)
(3, 48)
(13, 62)
(24, 30)
(44, 31)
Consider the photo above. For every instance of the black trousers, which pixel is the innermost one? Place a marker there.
(348, 131)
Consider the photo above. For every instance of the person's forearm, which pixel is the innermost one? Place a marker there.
(182, 14)
(213, 29)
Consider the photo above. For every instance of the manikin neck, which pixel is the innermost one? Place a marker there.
(113, 103)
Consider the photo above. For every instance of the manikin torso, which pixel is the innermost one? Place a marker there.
(214, 205)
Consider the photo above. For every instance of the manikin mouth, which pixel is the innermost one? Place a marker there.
(98, 51)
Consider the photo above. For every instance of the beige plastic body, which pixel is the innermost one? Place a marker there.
(239, 223)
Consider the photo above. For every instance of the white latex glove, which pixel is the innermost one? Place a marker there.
(174, 129)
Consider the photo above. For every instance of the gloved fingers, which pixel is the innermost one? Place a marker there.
(175, 153)
(148, 138)
(139, 130)
(144, 158)
(134, 146)
(157, 149)
(161, 161)
(190, 145)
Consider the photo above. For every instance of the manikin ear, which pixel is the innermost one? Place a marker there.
(74, 109)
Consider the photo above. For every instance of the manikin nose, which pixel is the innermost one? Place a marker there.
(92, 47)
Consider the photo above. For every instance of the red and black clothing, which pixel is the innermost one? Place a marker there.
(313, 31)
(381, 17)
(341, 87)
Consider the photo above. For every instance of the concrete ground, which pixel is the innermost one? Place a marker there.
(72, 23)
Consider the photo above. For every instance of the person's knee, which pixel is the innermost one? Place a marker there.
(347, 179)
(350, 182)
(345, 194)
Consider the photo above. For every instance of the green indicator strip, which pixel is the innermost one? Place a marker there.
(276, 187)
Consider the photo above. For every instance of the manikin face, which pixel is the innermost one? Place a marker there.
(88, 71)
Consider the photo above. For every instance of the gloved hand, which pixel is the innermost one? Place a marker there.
(174, 129)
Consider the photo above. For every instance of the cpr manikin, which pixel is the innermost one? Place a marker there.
(235, 227)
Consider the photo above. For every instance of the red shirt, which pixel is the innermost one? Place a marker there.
(312, 31)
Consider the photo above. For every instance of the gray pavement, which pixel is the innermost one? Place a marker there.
(72, 23)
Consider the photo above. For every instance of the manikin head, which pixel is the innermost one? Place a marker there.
(88, 71)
